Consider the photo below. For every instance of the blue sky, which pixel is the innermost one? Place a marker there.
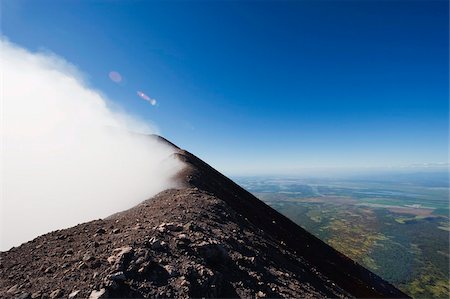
(264, 87)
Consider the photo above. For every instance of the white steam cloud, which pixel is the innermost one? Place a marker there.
(66, 157)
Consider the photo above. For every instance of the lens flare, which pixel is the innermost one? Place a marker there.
(115, 77)
(146, 98)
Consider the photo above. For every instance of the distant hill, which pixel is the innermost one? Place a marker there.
(208, 238)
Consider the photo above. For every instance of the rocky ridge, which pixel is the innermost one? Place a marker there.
(209, 238)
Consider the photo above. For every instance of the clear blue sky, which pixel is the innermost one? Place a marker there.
(261, 87)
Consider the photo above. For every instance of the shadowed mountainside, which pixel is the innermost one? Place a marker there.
(208, 238)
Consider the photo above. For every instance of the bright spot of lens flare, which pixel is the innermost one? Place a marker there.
(146, 98)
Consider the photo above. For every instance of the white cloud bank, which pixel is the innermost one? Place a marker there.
(66, 157)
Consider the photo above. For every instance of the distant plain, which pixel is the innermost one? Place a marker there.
(396, 225)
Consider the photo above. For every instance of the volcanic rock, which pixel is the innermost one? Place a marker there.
(207, 238)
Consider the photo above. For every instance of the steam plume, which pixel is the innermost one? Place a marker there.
(66, 157)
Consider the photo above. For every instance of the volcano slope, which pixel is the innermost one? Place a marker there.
(208, 238)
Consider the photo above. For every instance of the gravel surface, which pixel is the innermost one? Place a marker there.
(209, 238)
